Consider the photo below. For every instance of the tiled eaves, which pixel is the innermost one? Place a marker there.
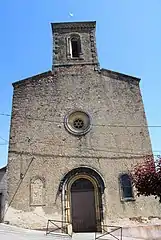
(105, 72)
(119, 76)
(35, 77)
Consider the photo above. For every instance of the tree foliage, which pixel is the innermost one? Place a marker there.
(146, 177)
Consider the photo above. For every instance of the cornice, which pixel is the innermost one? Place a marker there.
(73, 25)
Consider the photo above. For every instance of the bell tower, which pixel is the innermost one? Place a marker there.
(74, 43)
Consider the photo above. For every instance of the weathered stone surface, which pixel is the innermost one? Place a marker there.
(40, 145)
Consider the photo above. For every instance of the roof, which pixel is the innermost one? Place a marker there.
(3, 168)
(105, 72)
(117, 75)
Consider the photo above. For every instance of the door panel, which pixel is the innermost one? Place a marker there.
(83, 210)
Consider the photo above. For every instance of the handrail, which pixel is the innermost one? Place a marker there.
(106, 232)
(63, 226)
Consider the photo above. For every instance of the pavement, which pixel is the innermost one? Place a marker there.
(8, 232)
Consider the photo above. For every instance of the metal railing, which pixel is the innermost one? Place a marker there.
(56, 226)
(111, 231)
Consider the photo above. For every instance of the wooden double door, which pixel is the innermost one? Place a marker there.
(83, 206)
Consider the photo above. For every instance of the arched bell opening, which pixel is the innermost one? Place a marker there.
(75, 46)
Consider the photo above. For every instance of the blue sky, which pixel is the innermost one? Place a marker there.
(128, 41)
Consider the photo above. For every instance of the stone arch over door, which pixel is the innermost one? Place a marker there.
(82, 189)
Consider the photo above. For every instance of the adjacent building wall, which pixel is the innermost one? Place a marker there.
(3, 192)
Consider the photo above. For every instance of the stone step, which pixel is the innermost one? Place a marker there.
(91, 236)
(83, 236)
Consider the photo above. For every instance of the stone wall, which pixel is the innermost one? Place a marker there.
(42, 150)
(62, 34)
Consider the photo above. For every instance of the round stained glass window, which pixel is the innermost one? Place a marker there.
(77, 123)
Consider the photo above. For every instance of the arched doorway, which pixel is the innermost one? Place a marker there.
(82, 190)
(83, 206)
